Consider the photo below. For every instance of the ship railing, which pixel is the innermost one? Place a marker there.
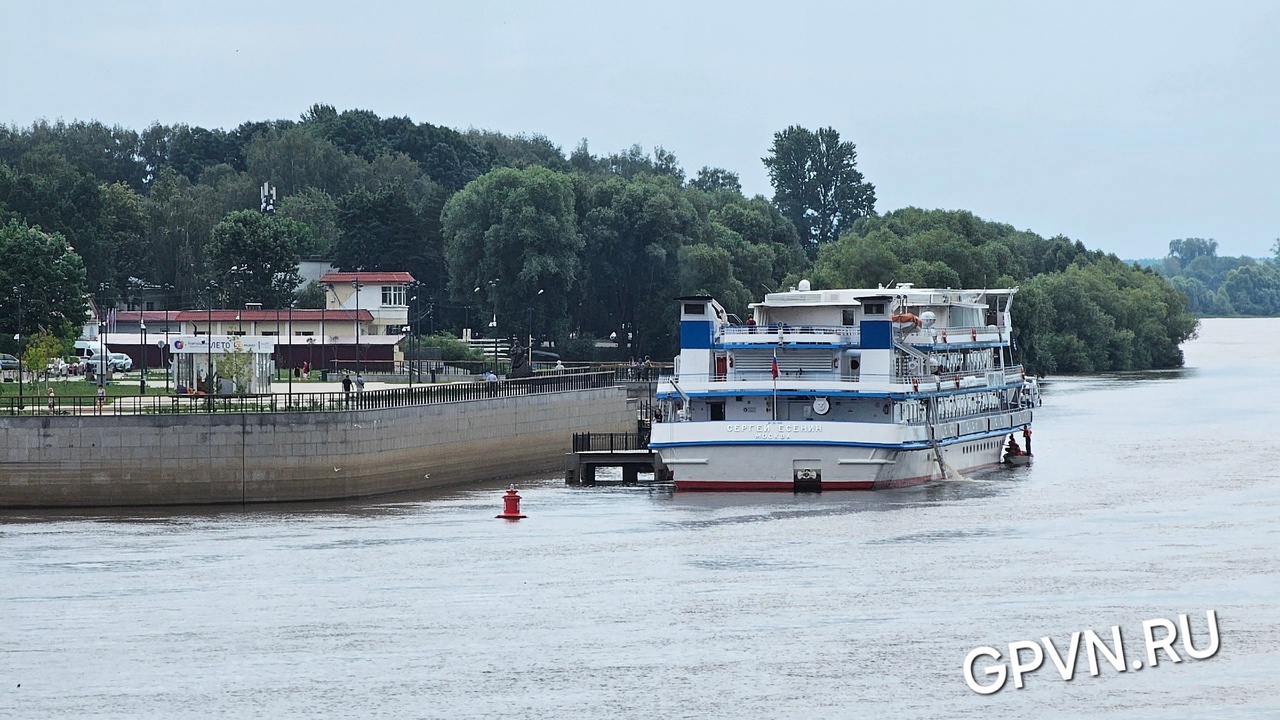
(938, 335)
(992, 421)
(774, 331)
(1009, 375)
(930, 381)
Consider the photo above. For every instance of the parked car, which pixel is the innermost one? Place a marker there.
(8, 362)
(121, 362)
(74, 365)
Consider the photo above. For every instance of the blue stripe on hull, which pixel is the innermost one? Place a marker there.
(914, 445)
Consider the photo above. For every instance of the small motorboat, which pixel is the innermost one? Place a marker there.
(1015, 460)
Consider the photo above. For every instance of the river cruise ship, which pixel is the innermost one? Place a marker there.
(851, 389)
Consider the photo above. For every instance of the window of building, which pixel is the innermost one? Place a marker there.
(393, 295)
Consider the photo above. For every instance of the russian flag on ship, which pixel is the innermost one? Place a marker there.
(774, 369)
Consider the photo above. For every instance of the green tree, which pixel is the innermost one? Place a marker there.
(387, 230)
(515, 227)
(711, 179)
(520, 150)
(258, 255)
(1188, 249)
(40, 349)
(48, 277)
(1254, 290)
(297, 159)
(318, 209)
(857, 261)
(634, 230)
(817, 184)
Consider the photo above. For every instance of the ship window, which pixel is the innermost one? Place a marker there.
(695, 309)
(873, 309)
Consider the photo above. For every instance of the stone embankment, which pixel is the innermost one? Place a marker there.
(229, 457)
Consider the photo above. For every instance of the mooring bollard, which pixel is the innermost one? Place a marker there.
(511, 509)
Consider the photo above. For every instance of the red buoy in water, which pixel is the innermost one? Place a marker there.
(511, 508)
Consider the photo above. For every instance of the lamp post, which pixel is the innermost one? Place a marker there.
(409, 373)
(208, 345)
(168, 290)
(17, 292)
(277, 353)
(355, 285)
(323, 306)
(529, 309)
(142, 380)
(493, 324)
(289, 368)
(101, 370)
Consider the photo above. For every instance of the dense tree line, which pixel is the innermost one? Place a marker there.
(1222, 286)
(568, 247)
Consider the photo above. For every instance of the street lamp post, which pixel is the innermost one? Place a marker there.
(355, 284)
(168, 299)
(323, 306)
(208, 345)
(289, 369)
(410, 372)
(142, 381)
(277, 353)
(101, 370)
(529, 348)
(493, 324)
(17, 292)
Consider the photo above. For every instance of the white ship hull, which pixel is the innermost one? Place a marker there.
(797, 456)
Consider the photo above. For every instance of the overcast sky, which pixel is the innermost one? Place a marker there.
(1121, 124)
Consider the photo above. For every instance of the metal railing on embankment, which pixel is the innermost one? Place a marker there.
(88, 406)
(610, 442)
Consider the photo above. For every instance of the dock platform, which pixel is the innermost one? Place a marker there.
(629, 451)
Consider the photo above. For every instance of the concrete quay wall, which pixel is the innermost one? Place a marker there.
(231, 458)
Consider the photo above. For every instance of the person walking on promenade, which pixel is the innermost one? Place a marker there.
(102, 396)
(359, 382)
(51, 401)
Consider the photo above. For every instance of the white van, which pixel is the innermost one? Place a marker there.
(86, 349)
(95, 358)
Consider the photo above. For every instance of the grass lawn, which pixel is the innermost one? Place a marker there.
(70, 387)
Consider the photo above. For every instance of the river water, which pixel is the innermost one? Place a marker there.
(1152, 495)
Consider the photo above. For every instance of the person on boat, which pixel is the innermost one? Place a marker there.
(751, 323)
(1013, 449)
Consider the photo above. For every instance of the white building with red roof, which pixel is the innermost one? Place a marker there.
(385, 295)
